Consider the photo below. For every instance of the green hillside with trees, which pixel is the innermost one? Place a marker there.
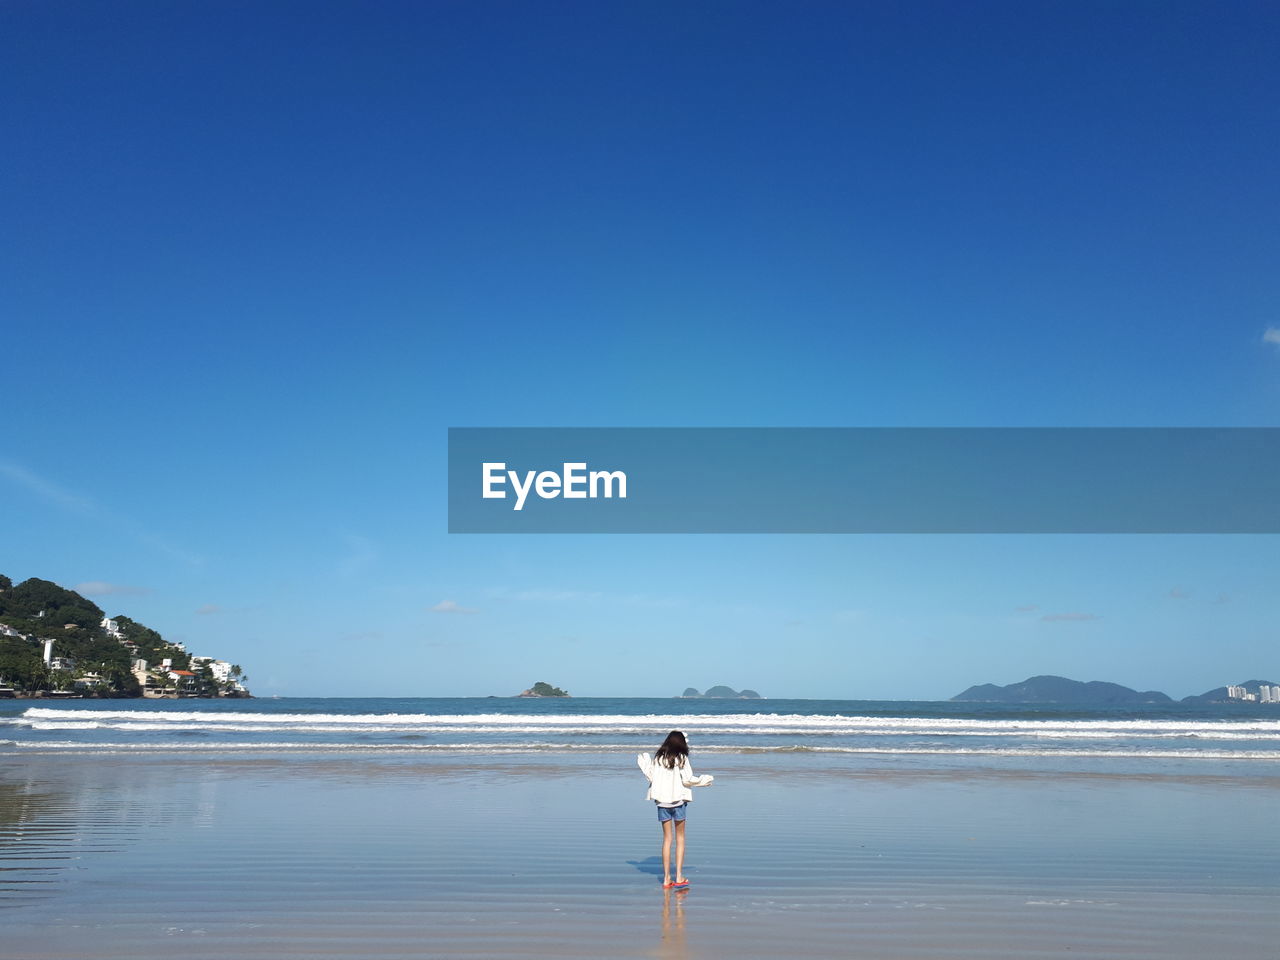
(96, 662)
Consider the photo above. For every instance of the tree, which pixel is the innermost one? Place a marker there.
(547, 690)
(59, 605)
(122, 681)
(150, 645)
(22, 664)
(205, 684)
(40, 678)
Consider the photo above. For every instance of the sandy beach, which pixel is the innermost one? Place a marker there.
(358, 856)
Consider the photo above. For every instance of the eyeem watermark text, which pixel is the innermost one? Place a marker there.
(574, 482)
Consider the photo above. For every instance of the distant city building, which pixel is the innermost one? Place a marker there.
(1267, 693)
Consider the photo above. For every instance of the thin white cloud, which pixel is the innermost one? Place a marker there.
(556, 596)
(1179, 593)
(367, 636)
(46, 489)
(1027, 608)
(552, 595)
(450, 606)
(1272, 335)
(362, 553)
(71, 502)
(100, 588)
(163, 546)
(208, 610)
(1070, 616)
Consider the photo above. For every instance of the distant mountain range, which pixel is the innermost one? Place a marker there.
(722, 693)
(1049, 689)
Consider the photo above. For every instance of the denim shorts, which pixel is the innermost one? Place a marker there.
(673, 813)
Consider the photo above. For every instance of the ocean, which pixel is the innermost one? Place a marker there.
(1241, 737)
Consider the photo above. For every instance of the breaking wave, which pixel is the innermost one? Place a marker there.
(44, 718)
(202, 729)
(63, 746)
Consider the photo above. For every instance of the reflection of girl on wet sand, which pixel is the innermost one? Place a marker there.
(670, 776)
(673, 940)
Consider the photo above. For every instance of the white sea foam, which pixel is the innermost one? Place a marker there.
(1047, 733)
(622, 748)
(50, 719)
(733, 721)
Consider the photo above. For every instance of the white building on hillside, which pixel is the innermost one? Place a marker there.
(221, 669)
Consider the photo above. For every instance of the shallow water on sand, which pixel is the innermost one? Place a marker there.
(366, 856)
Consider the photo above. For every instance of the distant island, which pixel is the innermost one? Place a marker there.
(55, 643)
(722, 693)
(1050, 689)
(541, 689)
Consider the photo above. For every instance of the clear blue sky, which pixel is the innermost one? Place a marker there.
(257, 258)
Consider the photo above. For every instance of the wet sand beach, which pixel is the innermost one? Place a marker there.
(127, 856)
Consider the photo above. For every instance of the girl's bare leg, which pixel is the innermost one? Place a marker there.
(679, 851)
(666, 850)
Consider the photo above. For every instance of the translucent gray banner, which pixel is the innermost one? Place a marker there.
(863, 480)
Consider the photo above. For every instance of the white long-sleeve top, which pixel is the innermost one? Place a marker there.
(670, 784)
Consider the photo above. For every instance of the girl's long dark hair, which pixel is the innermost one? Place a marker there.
(673, 751)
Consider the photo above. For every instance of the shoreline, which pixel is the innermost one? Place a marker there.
(55, 696)
(241, 857)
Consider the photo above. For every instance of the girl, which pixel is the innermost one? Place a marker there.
(670, 776)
